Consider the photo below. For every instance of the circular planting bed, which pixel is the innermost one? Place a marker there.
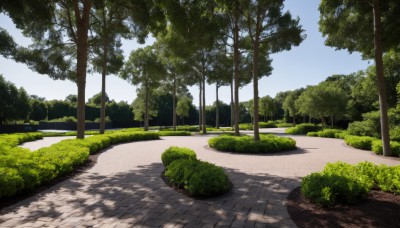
(380, 209)
(246, 144)
(185, 173)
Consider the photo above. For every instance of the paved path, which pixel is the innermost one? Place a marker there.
(124, 188)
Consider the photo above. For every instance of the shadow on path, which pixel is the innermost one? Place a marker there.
(140, 197)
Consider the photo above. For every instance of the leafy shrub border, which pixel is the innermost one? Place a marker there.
(344, 183)
(22, 170)
(245, 144)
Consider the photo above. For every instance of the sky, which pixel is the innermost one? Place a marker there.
(308, 64)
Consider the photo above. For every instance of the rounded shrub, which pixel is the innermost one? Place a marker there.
(198, 178)
(246, 144)
(174, 153)
(360, 142)
(338, 182)
(246, 126)
(269, 124)
(303, 129)
(394, 147)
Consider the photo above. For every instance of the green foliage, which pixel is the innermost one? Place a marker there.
(360, 142)
(66, 119)
(246, 144)
(326, 133)
(246, 126)
(284, 125)
(388, 179)
(174, 133)
(341, 182)
(174, 153)
(370, 126)
(338, 182)
(198, 177)
(302, 129)
(394, 147)
(269, 124)
(22, 169)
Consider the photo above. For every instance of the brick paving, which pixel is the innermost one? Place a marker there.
(124, 189)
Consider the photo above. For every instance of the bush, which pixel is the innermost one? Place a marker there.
(388, 179)
(22, 169)
(395, 134)
(174, 153)
(360, 142)
(174, 133)
(198, 177)
(269, 124)
(284, 125)
(341, 182)
(303, 129)
(246, 126)
(246, 144)
(338, 182)
(326, 133)
(394, 147)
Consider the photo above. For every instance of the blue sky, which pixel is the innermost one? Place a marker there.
(307, 64)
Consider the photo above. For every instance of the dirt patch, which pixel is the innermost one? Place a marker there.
(380, 209)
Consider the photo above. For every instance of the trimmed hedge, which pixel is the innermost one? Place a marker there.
(19, 138)
(174, 153)
(269, 124)
(174, 133)
(199, 178)
(246, 126)
(246, 144)
(326, 133)
(360, 142)
(344, 183)
(394, 147)
(21, 169)
(303, 129)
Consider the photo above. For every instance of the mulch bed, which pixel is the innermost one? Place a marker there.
(380, 209)
(5, 202)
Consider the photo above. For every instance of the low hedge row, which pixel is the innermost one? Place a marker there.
(246, 144)
(326, 133)
(303, 129)
(21, 169)
(249, 126)
(199, 178)
(360, 142)
(394, 147)
(19, 138)
(344, 183)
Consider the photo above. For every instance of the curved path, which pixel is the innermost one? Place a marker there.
(124, 189)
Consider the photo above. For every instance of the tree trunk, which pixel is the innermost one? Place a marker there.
(381, 80)
(174, 104)
(236, 56)
(216, 107)
(332, 120)
(146, 108)
(200, 105)
(255, 90)
(103, 89)
(204, 105)
(82, 24)
(232, 106)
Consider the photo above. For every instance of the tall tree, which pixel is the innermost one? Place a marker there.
(145, 69)
(221, 75)
(60, 34)
(368, 27)
(270, 31)
(183, 107)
